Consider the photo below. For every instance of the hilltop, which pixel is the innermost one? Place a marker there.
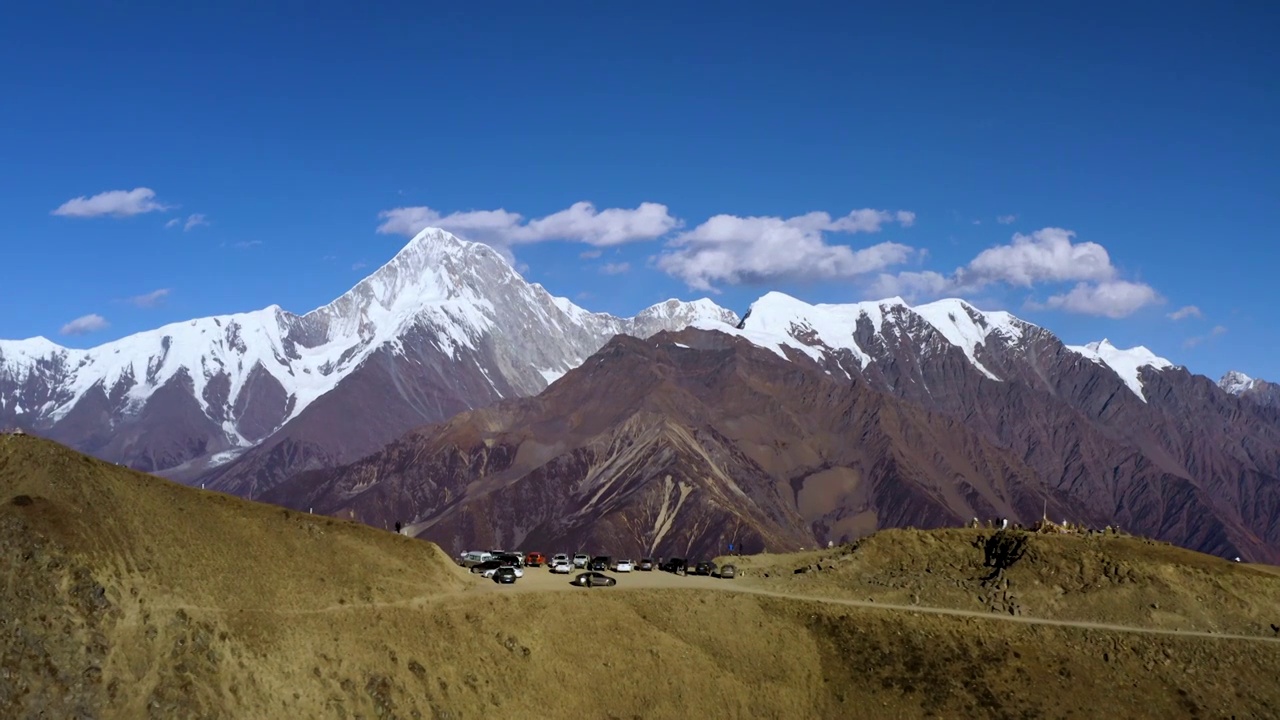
(130, 596)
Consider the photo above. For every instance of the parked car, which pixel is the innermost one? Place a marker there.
(505, 575)
(560, 557)
(646, 564)
(515, 559)
(728, 572)
(535, 559)
(474, 557)
(486, 565)
(580, 560)
(564, 567)
(706, 567)
(600, 563)
(493, 571)
(594, 579)
(675, 565)
(622, 566)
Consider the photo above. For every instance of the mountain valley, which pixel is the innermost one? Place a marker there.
(446, 392)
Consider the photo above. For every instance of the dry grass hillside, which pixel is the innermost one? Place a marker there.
(124, 596)
(1097, 577)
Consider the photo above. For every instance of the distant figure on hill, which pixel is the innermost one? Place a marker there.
(397, 526)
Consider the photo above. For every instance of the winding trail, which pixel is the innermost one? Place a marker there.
(540, 582)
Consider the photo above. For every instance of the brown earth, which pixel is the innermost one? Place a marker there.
(689, 443)
(127, 596)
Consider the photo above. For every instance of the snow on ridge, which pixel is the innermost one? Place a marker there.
(437, 280)
(966, 327)
(1236, 382)
(778, 318)
(689, 310)
(22, 356)
(1127, 364)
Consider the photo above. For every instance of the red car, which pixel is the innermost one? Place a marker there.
(535, 559)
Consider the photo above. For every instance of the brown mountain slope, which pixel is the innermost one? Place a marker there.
(667, 448)
(125, 596)
(690, 442)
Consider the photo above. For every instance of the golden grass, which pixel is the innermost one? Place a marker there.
(126, 596)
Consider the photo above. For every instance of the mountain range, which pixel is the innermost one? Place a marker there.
(241, 401)
(446, 392)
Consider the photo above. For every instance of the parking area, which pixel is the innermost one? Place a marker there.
(542, 579)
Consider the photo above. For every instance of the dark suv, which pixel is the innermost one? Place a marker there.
(645, 564)
(505, 575)
(487, 565)
(706, 567)
(674, 565)
(600, 563)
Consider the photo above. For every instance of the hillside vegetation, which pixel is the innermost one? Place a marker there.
(126, 596)
(1097, 577)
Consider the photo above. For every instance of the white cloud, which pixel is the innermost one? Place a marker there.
(911, 285)
(615, 268)
(85, 324)
(360, 265)
(151, 299)
(1217, 331)
(1182, 313)
(581, 222)
(1046, 255)
(1112, 298)
(193, 220)
(731, 249)
(1006, 219)
(114, 203)
(590, 254)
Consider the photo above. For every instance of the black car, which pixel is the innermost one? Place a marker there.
(512, 559)
(487, 565)
(505, 575)
(674, 565)
(646, 564)
(706, 567)
(594, 579)
(600, 563)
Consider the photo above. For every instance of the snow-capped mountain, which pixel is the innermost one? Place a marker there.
(245, 401)
(856, 337)
(1236, 382)
(1253, 389)
(211, 387)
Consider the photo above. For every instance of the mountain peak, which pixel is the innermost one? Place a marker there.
(1236, 382)
(1127, 364)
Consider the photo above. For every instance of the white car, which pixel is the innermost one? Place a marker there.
(489, 573)
(563, 567)
(559, 558)
(580, 560)
(473, 557)
(622, 566)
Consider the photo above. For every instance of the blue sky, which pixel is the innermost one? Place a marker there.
(1133, 151)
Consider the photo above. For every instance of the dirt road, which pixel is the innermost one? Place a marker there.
(541, 580)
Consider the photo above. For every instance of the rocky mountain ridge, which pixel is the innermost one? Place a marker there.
(203, 392)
